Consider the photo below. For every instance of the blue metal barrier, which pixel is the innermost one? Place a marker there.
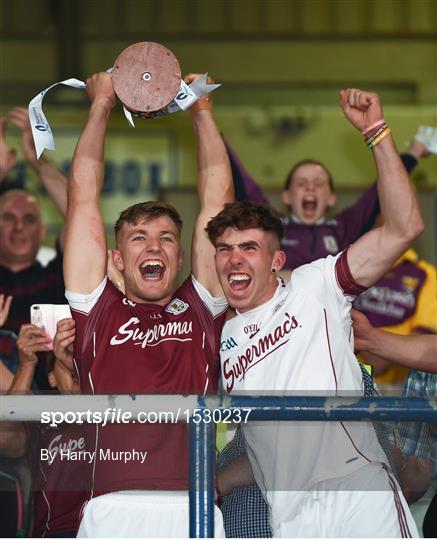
(202, 473)
(202, 431)
(202, 449)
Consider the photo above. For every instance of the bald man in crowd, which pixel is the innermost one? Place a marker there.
(23, 280)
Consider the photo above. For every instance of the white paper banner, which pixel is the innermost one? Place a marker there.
(186, 96)
(42, 133)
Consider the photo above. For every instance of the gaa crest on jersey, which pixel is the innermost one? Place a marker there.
(330, 244)
(176, 307)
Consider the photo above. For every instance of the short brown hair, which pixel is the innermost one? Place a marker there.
(147, 210)
(244, 215)
(290, 175)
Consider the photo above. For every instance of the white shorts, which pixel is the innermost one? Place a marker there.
(333, 509)
(141, 514)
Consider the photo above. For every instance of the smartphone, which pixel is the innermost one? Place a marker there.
(47, 315)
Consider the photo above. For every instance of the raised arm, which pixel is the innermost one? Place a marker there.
(85, 241)
(245, 187)
(415, 352)
(361, 216)
(375, 252)
(51, 178)
(214, 186)
(8, 156)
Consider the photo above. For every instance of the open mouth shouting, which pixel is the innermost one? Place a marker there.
(239, 281)
(152, 270)
(309, 205)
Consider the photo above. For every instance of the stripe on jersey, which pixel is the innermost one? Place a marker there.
(345, 279)
(329, 348)
(402, 518)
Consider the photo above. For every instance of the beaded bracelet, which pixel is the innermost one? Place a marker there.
(386, 132)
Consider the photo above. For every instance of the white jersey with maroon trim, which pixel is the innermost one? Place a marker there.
(123, 347)
(299, 343)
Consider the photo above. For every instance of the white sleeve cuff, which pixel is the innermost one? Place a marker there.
(85, 302)
(215, 305)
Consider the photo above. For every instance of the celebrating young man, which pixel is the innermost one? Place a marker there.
(319, 478)
(154, 339)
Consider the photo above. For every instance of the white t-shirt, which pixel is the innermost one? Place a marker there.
(299, 343)
(45, 255)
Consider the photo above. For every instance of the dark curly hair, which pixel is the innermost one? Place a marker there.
(244, 215)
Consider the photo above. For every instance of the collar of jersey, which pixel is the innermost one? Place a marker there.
(264, 306)
(295, 219)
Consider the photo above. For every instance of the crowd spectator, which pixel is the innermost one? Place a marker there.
(60, 486)
(403, 301)
(22, 232)
(418, 352)
(309, 194)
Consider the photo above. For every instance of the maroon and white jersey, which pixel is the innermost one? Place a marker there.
(122, 347)
(61, 467)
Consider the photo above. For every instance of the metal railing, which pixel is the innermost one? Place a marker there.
(202, 431)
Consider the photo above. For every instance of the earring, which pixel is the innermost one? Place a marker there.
(273, 270)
